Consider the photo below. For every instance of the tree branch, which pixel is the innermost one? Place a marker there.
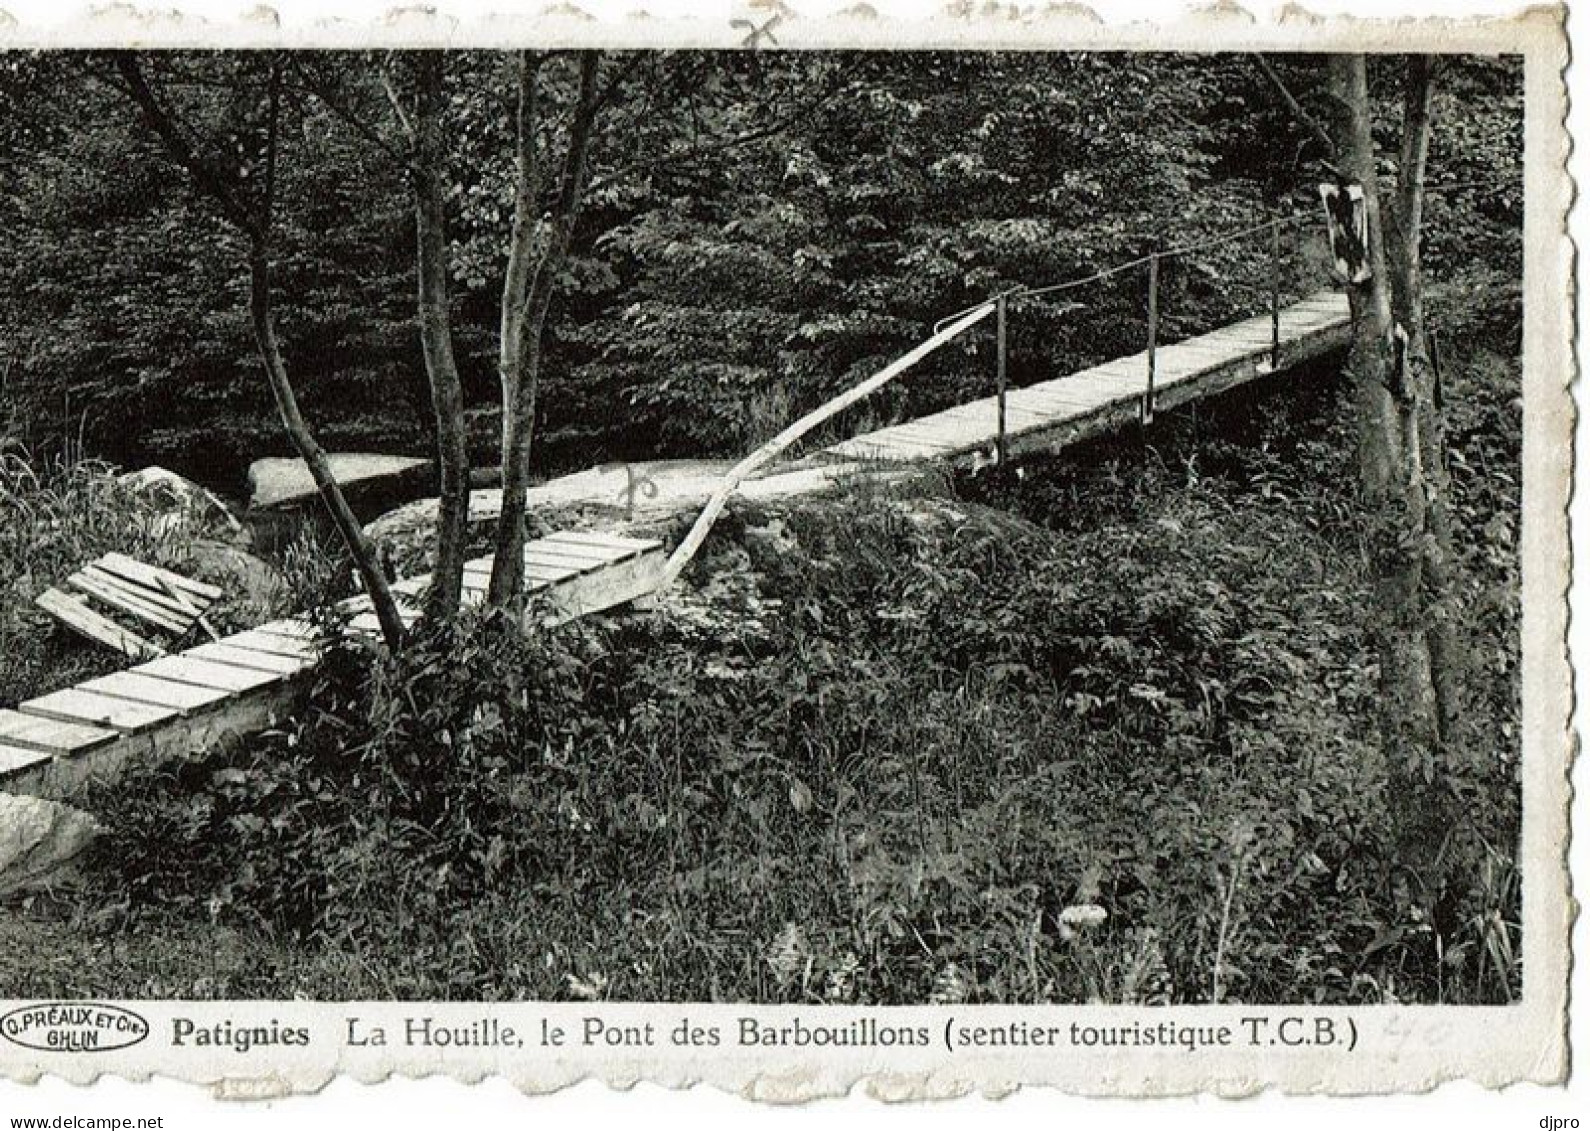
(1307, 120)
(272, 119)
(212, 181)
(761, 133)
(321, 92)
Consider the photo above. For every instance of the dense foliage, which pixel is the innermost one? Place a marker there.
(759, 232)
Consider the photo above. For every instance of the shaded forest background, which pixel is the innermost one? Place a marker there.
(760, 233)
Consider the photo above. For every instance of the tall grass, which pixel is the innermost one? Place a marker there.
(54, 516)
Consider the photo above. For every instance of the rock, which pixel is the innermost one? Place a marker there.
(39, 840)
(177, 504)
(644, 491)
(278, 482)
(284, 501)
(245, 577)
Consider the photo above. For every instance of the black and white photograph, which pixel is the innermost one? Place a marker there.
(940, 527)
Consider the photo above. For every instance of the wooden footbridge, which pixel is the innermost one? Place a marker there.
(188, 701)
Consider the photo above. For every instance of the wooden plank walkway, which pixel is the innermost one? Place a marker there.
(188, 701)
(1055, 414)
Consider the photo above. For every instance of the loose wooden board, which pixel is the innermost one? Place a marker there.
(102, 630)
(127, 602)
(153, 576)
(601, 538)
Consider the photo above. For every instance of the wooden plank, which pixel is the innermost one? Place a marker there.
(542, 572)
(162, 600)
(594, 593)
(149, 575)
(922, 434)
(949, 437)
(133, 606)
(87, 708)
(1131, 368)
(256, 641)
(876, 447)
(227, 653)
(20, 759)
(34, 733)
(480, 578)
(602, 538)
(184, 668)
(102, 630)
(549, 557)
(1107, 387)
(139, 688)
(578, 551)
(1234, 340)
(1218, 349)
(1059, 399)
(189, 607)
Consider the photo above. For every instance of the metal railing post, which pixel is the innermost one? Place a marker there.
(1002, 356)
(1153, 336)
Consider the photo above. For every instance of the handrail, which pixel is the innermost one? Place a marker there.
(774, 447)
(1011, 294)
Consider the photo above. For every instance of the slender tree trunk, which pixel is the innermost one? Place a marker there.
(252, 217)
(527, 296)
(436, 339)
(310, 451)
(1448, 656)
(1398, 439)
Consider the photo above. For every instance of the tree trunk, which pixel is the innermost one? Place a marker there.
(1449, 661)
(1399, 446)
(436, 340)
(310, 451)
(527, 296)
(253, 218)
